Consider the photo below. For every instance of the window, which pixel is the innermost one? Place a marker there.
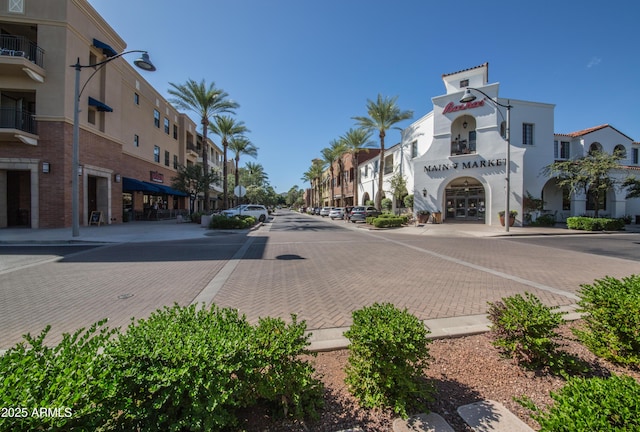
(136, 141)
(503, 130)
(375, 167)
(156, 118)
(91, 116)
(634, 153)
(620, 151)
(175, 131)
(414, 149)
(464, 83)
(166, 126)
(388, 164)
(595, 147)
(351, 173)
(156, 154)
(566, 199)
(366, 171)
(527, 134)
(136, 98)
(166, 158)
(561, 151)
(472, 141)
(175, 161)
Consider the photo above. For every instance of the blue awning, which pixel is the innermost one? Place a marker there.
(106, 49)
(166, 189)
(99, 105)
(132, 185)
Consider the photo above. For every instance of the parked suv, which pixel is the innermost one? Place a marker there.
(361, 213)
(259, 212)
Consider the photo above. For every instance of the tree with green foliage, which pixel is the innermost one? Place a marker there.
(398, 187)
(192, 180)
(205, 101)
(329, 156)
(314, 176)
(383, 114)
(226, 127)
(590, 174)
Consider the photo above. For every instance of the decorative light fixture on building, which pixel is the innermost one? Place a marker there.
(117, 178)
(46, 167)
(424, 192)
(470, 97)
(143, 63)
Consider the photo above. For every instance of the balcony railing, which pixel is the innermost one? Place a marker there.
(20, 46)
(17, 119)
(460, 147)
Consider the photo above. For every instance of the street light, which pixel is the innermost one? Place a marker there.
(143, 63)
(470, 97)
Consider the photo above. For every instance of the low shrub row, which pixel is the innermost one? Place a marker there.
(234, 222)
(182, 369)
(387, 220)
(595, 224)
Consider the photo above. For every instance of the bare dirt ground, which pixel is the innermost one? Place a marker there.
(463, 370)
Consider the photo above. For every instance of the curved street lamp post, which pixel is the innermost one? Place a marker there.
(469, 97)
(143, 63)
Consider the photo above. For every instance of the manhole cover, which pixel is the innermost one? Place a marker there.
(125, 296)
(289, 257)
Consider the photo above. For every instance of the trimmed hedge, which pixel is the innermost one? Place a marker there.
(387, 220)
(234, 222)
(595, 224)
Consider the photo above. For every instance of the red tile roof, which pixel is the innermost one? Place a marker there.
(593, 129)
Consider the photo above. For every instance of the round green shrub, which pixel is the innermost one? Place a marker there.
(611, 310)
(387, 354)
(593, 404)
(180, 370)
(66, 378)
(525, 329)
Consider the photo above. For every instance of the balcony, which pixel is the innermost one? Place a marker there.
(18, 124)
(19, 56)
(192, 150)
(462, 147)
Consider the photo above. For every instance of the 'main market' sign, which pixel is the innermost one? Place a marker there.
(466, 165)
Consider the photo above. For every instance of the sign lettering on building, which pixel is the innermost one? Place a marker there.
(451, 107)
(466, 165)
(157, 177)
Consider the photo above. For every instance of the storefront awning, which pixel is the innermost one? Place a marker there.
(133, 185)
(106, 49)
(166, 189)
(100, 106)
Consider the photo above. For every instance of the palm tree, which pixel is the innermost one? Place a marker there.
(241, 145)
(329, 156)
(205, 101)
(356, 141)
(314, 175)
(383, 114)
(256, 174)
(226, 127)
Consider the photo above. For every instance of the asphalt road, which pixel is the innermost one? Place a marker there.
(319, 269)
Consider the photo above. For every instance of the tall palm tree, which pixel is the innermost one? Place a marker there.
(356, 141)
(205, 101)
(314, 176)
(382, 115)
(329, 156)
(226, 127)
(256, 174)
(240, 145)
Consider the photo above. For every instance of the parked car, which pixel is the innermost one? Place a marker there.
(259, 212)
(325, 211)
(361, 213)
(336, 213)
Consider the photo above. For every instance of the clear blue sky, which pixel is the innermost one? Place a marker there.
(301, 69)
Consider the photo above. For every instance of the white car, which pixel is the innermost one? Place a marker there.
(259, 212)
(325, 211)
(336, 213)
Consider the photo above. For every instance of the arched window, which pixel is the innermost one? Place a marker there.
(595, 147)
(620, 151)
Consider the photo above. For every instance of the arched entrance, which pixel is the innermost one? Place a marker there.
(465, 201)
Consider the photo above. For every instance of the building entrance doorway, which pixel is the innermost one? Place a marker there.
(465, 201)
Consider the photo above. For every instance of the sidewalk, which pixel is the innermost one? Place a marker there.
(148, 231)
